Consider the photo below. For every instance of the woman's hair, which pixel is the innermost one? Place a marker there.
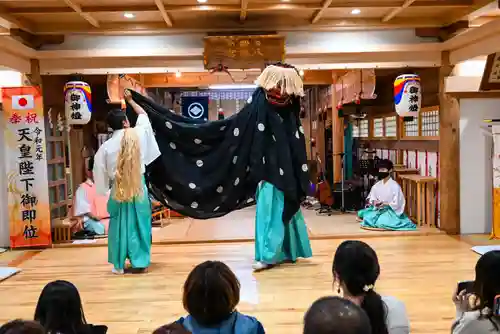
(335, 315)
(211, 293)
(487, 282)
(356, 265)
(59, 309)
(128, 178)
(22, 327)
(173, 328)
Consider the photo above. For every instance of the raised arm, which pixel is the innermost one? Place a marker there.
(149, 146)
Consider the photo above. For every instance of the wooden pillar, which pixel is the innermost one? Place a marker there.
(337, 135)
(449, 153)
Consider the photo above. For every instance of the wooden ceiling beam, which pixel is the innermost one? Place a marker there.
(444, 33)
(316, 16)
(84, 15)
(8, 21)
(243, 10)
(163, 12)
(398, 10)
(190, 26)
(250, 7)
(35, 41)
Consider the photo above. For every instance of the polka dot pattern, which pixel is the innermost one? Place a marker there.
(192, 186)
(173, 146)
(197, 141)
(199, 163)
(236, 132)
(168, 125)
(261, 127)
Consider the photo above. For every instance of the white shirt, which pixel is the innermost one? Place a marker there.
(472, 323)
(397, 319)
(388, 192)
(82, 204)
(106, 157)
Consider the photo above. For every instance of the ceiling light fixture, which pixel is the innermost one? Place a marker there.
(202, 1)
(355, 11)
(129, 15)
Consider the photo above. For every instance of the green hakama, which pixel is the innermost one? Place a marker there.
(129, 235)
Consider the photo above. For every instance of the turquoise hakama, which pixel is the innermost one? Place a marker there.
(129, 235)
(276, 242)
(385, 218)
(386, 210)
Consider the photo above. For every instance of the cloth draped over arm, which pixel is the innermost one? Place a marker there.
(208, 169)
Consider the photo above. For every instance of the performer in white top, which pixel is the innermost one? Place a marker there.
(120, 164)
(386, 203)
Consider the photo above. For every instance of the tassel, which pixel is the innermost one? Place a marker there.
(286, 78)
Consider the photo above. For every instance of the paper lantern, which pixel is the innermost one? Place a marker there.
(77, 102)
(407, 95)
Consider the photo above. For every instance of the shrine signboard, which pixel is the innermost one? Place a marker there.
(243, 52)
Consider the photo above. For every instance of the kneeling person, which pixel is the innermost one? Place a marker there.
(90, 207)
(386, 203)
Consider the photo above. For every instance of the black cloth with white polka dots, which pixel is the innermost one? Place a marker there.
(207, 170)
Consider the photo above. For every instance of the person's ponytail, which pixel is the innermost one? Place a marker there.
(376, 310)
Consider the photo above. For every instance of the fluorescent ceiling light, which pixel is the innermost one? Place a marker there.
(232, 87)
(129, 15)
(202, 1)
(356, 11)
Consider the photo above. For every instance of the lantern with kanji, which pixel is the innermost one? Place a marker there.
(407, 95)
(77, 102)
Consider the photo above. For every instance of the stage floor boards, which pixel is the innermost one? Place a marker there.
(420, 270)
(240, 226)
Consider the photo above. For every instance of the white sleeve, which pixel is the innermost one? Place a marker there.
(149, 147)
(82, 204)
(471, 323)
(398, 199)
(101, 177)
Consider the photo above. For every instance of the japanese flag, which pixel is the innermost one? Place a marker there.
(23, 102)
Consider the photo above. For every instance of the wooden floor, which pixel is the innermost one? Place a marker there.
(240, 226)
(420, 270)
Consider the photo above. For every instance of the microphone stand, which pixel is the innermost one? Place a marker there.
(342, 207)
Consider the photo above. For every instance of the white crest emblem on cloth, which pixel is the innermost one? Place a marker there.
(195, 110)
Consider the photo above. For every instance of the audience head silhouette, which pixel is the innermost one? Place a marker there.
(211, 293)
(334, 315)
(487, 282)
(173, 328)
(22, 327)
(356, 269)
(59, 309)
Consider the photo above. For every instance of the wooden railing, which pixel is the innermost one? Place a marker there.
(420, 195)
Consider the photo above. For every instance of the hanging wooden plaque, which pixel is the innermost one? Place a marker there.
(491, 73)
(243, 52)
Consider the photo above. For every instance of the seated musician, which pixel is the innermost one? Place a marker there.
(89, 207)
(386, 203)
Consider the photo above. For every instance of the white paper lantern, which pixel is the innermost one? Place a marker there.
(407, 95)
(77, 102)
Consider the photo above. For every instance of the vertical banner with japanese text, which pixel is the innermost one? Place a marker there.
(26, 167)
(495, 228)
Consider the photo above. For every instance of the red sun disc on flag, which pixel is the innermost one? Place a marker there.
(23, 102)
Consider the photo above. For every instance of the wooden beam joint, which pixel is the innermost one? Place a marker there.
(443, 33)
(35, 41)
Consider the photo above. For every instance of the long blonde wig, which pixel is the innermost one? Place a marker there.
(128, 177)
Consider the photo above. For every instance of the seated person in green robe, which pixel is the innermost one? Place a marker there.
(386, 203)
